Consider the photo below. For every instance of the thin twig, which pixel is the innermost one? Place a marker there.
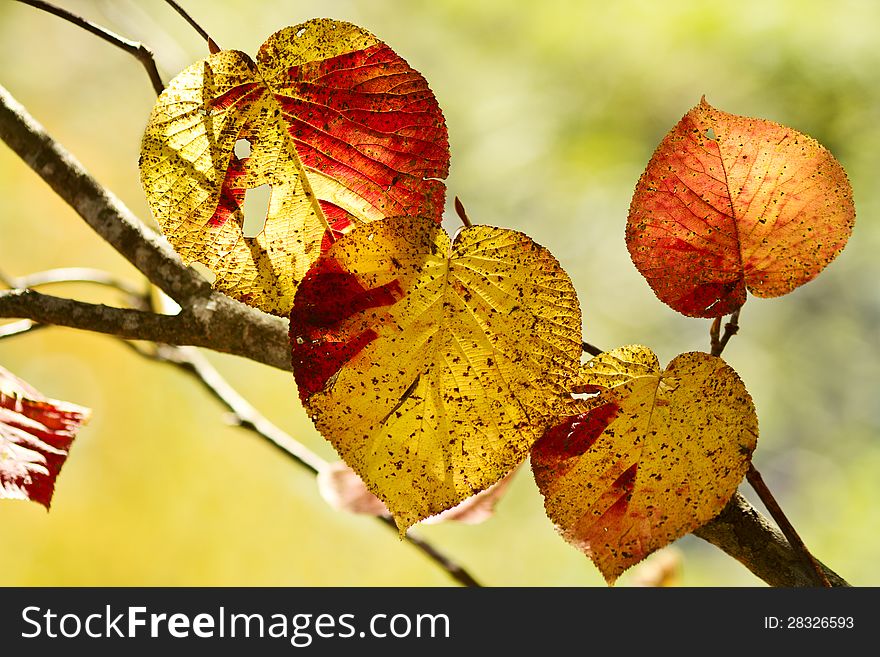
(747, 536)
(757, 481)
(70, 275)
(462, 213)
(143, 54)
(213, 48)
(248, 417)
(718, 342)
(454, 570)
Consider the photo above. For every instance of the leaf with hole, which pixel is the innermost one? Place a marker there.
(432, 366)
(653, 456)
(328, 123)
(35, 437)
(729, 204)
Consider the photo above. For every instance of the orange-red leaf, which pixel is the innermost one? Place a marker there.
(653, 456)
(729, 204)
(339, 127)
(35, 437)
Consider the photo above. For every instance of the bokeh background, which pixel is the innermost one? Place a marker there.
(554, 109)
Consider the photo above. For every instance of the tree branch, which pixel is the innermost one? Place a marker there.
(246, 416)
(143, 54)
(217, 323)
(105, 213)
(718, 341)
(209, 319)
(748, 537)
(757, 481)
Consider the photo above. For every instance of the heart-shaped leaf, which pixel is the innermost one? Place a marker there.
(433, 367)
(35, 437)
(338, 126)
(729, 204)
(655, 455)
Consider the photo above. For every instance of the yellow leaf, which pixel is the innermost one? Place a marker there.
(433, 366)
(338, 127)
(655, 455)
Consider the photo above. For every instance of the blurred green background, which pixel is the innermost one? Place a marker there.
(554, 109)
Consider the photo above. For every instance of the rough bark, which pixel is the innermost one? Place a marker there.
(748, 537)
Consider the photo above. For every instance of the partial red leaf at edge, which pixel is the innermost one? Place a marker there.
(35, 437)
(729, 204)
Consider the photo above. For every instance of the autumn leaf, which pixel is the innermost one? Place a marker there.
(433, 366)
(338, 126)
(653, 456)
(344, 490)
(729, 204)
(35, 437)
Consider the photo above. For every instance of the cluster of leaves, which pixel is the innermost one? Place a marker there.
(436, 365)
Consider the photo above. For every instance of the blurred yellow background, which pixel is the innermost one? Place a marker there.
(554, 109)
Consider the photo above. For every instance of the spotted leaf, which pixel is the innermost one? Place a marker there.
(432, 366)
(653, 456)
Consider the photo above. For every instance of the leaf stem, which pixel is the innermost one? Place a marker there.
(757, 482)
(718, 341)
(143, 54)
(462, 213)
(590, 349)
(213, 48)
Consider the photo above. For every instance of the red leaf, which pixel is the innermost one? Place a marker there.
(35, 437)
(729, 204)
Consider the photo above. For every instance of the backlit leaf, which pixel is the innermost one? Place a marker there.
(655, 455)
(729, 204)
(338, 126)
(433, 366)
(35, 437)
